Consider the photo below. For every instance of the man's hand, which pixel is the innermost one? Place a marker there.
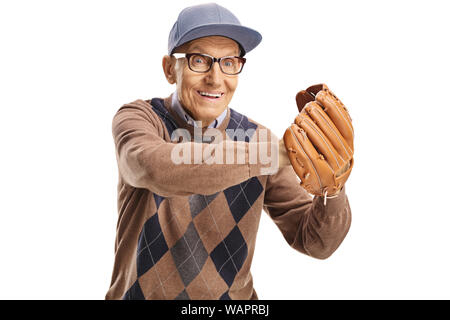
(320, 141)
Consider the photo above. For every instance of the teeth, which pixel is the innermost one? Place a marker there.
(215, 95)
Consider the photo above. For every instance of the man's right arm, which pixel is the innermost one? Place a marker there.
(144, 157)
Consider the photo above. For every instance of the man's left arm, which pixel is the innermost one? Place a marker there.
(308, 224)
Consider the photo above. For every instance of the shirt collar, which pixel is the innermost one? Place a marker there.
(176, 105)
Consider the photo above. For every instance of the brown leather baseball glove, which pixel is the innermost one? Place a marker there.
(320, 141)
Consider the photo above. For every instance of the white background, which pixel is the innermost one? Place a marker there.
(67, 66)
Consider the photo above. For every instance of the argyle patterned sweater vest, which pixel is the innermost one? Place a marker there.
(178, 240)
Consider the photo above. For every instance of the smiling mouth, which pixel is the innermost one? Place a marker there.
(210, 95)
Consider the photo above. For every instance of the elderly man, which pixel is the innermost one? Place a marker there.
(187, 228)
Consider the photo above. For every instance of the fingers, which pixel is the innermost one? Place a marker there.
(302, 152)
(327, 127)
(337, 112)
(320, 140)
(300, 161)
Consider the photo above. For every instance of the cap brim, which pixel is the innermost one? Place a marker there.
(246, 37)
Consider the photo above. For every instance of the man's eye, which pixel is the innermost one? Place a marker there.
(199, 60)
(228, 63)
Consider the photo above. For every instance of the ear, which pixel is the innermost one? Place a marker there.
(168, 64)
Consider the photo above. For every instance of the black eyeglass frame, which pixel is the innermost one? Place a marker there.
(214, 59)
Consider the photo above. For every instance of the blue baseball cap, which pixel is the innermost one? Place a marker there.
(211, 20)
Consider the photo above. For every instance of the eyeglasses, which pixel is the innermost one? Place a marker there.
(202, 63)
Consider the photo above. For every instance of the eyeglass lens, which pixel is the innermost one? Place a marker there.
(229, 65)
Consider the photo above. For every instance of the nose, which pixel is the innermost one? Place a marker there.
(214, 75)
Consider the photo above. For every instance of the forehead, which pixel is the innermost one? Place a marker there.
(214, 45)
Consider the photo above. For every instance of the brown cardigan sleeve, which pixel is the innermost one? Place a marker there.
(143, 153)
(307, 224)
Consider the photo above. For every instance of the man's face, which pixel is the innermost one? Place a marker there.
(191, 85)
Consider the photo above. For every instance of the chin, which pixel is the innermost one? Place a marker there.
(211, 109)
